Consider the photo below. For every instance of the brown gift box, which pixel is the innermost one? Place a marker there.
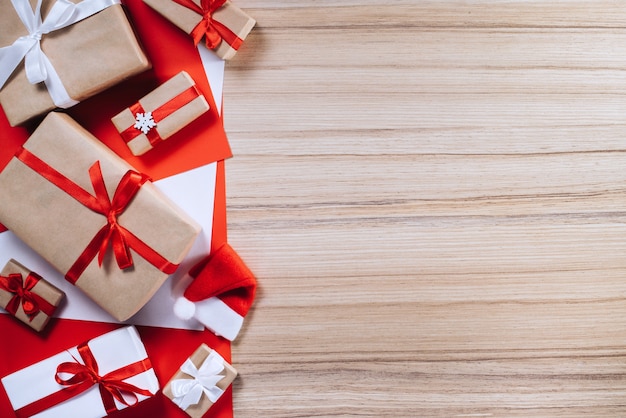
(59, 227)
(170, 124)
(229, 15)
(197, 358)
(43, 288)
(89, 57)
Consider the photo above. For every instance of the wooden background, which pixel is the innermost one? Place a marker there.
(432, 194)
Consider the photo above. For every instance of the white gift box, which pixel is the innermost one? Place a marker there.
(112, 351)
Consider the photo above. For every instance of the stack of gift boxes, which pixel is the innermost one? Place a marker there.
(116, 236)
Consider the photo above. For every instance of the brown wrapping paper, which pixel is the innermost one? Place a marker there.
(229, 15)
(59, 228)
(89, 56)
(197, 358)
(172, 123)
(42, 288)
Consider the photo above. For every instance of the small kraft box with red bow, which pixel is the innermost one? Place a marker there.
(223, 25)
(92, 380)
(27, 296)
(161, 113)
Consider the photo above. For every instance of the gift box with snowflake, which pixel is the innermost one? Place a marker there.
(161, 113)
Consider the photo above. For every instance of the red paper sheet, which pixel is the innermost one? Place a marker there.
(202, 142)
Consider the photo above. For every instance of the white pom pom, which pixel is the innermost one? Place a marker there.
(184, 308)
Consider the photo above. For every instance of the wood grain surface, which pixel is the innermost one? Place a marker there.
(432, 194)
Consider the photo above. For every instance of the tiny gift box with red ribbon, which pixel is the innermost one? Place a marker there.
(105, 374)
(27, 296)
(106, 227)
(161, 113)
(200, 381)
(223, 25)
(60, 52)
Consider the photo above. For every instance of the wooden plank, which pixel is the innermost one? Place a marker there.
(432, 196)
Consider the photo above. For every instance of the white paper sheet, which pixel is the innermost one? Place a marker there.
(214, 69)
(194, 192)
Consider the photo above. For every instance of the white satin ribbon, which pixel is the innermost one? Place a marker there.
(28, 48)
(188, 392)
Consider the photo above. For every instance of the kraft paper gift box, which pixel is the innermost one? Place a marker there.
(224, 28)
(89, 56)
(161, 113)
(79, 205)
(27, 296)
(200, 381)
(64, 385)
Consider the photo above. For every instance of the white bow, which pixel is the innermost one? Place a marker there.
(189, 391)
(28, 48)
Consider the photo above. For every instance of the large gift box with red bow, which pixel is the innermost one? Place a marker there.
(61, 53)
(105, 374)
(78, 200)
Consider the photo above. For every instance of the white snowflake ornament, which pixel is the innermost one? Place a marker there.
(144, 122)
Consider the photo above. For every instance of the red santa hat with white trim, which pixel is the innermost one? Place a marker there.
(220, 294)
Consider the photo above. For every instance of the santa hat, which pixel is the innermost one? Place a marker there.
(220, 294)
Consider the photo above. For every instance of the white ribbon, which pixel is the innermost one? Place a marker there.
(188, 392)
(28, 48)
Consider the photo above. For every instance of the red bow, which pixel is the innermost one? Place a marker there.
(84, 376)
(21, 289)
(112, 232)
(213, 30)
(120, 238)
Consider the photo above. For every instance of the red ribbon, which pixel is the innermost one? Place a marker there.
(112, 233)
(159, 114)
(112, 386)
(212, 30)
(21, 289)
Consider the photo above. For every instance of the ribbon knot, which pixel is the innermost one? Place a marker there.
(188, 392)
(35, 36)
(212, 30)
(21, 289)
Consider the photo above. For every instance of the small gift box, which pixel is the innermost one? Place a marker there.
(200, 382)
(73, 52)
(161, 113)
(92, 380)
(28, 297)
(223, 25)
(72, 198)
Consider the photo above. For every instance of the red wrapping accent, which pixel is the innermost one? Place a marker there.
(31, 302)
(84, 376)
(159, 114)
(120, 238)
(213, 31)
